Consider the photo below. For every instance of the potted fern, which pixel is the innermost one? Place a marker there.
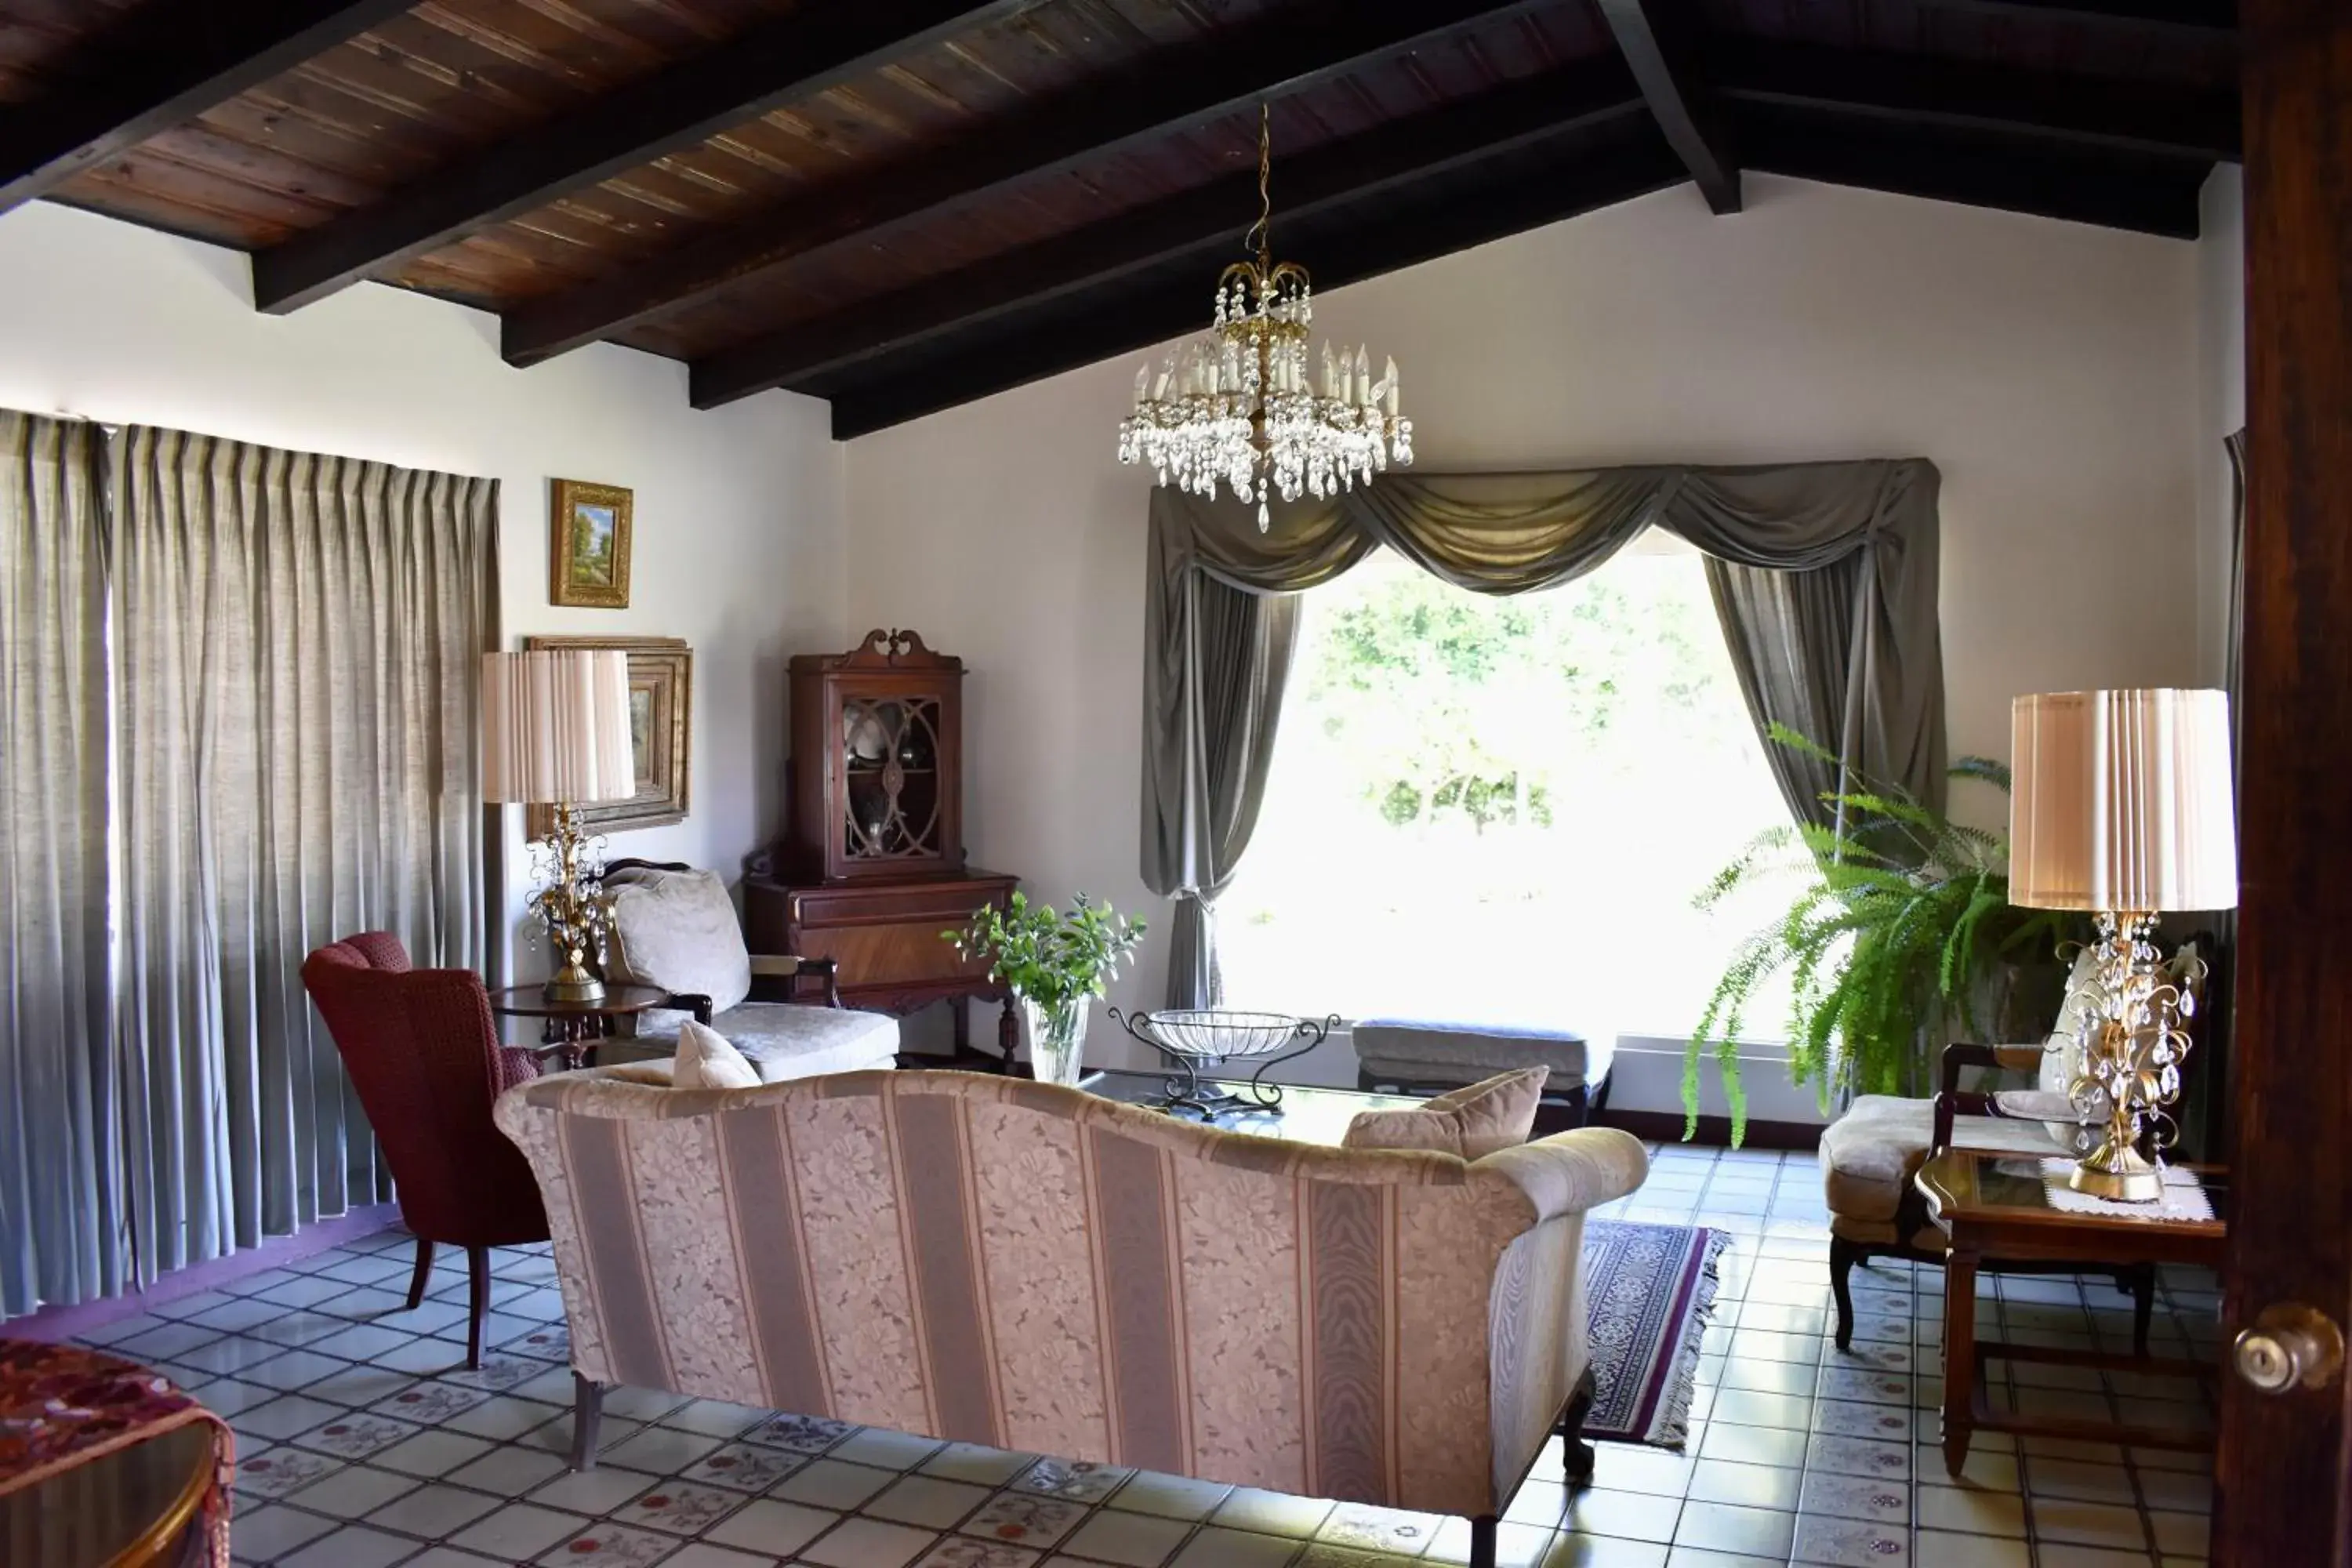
(1900, 930)
(1055, 964)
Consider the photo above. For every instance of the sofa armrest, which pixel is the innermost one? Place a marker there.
(1570, 1172)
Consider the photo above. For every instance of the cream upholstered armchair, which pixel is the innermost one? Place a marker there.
(1871, 1155)
(995, 1260)
(675, 928)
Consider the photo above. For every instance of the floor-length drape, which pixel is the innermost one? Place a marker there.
(1824, 576)
(298, 638)
(61, 1196)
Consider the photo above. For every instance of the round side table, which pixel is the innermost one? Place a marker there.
(138, 1507)
(573, 1028)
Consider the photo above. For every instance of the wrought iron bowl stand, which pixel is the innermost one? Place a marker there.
(1195, 1039)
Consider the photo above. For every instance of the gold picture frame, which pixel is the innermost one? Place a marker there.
(661, 715)
(588, 529)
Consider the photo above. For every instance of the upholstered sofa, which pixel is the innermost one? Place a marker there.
(675, 928)
(999, 1261)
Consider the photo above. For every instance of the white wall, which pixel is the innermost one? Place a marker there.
(2051, 370)
(2222, 401)
(739, 512)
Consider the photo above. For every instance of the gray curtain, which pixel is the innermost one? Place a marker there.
(1825, 575)
(62, 1217)
(298, 642)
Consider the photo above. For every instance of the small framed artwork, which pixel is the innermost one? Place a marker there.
(588, 533)
(661, 709)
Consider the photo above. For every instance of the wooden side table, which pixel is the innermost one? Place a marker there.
(1996, 1207)
(573, 1028)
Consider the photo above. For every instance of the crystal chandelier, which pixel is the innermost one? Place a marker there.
(1243, 405)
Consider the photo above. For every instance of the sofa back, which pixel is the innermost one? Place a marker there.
(1005, 1262)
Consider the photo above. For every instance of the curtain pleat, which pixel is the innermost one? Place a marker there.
(63, 1206)
(296, 637)
(1824, 576)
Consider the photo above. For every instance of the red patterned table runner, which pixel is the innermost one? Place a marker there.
(61, 1405)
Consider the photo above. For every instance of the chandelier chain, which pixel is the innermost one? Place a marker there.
(1259, 241)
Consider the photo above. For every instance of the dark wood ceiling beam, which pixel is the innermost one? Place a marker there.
(1204, 223)
(2151, 199)
(1170, 92)
(2206, 16)
(1344, 248)
(161, 66)
(795, 57)
(2102, 112)
(1658, 40)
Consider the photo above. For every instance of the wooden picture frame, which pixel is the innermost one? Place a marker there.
(661, 711)
(588, 531)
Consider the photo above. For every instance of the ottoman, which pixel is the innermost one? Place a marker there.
(1412, 1055)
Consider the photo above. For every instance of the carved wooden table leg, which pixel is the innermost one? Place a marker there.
(1008, 1034)
(1959, 1357)
(960, 1008)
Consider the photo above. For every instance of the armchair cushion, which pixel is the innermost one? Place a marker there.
(677, 930)
(1470, 1123)
(1870, 1154)
(705, 1060)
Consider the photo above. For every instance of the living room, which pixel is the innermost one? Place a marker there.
(302, 424)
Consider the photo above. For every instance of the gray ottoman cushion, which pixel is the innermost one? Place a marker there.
(1414, 1051)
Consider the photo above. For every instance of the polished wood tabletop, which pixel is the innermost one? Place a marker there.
(619, 1001)
(2004, 1198)
(135, 1508)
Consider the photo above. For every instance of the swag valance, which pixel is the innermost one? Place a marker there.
(1823, 575)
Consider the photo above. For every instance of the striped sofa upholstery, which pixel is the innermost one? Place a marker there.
(1005, 1262)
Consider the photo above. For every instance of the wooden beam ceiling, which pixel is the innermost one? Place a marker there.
(2150, 196)
(2100, 111)
(1205, 224)
(1171, 92)
(1657, 38)
(793, 56)
(1339, 249)
(161, 66)
(2205, 16)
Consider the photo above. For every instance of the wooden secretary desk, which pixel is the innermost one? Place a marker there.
(871, 869)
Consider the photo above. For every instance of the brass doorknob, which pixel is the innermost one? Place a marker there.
(2290, 1346)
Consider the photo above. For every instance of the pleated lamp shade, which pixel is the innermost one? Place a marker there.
(2122, 802)
(555, 726)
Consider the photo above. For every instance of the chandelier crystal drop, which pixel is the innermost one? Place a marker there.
(1245, 404)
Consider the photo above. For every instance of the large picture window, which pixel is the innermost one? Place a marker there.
(1500, 808)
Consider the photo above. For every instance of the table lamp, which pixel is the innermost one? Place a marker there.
(2122, 808)
(555, 732)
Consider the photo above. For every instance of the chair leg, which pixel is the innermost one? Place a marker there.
(1577, 1455)
(477, 1302)
(1482, 1542)
(587, 1415)
(1843, 1255)
(417, 1281)
(2142, 1290)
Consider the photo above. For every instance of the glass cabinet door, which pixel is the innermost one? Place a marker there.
(890, 774)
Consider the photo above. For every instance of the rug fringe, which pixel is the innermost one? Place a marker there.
(1672, 1427)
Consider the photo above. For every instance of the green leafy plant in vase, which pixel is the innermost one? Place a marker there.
(1899, 929)
(1055, 964)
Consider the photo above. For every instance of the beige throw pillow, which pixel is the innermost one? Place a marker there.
(1471, 1122)
(706, 1060)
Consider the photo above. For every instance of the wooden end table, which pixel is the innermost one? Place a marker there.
(1996, 1207)
(573, 1028)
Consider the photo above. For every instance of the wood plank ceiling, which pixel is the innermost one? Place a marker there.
(904, 204)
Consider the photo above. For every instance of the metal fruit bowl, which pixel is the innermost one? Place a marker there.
(1195, 1037)
(1218, 1034)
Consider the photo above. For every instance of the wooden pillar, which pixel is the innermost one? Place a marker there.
(2283, 1471)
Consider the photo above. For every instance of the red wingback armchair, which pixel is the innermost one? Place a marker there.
(423, 1054)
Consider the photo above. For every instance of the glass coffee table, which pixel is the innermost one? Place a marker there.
(2000, 1207)
(1305, 1114)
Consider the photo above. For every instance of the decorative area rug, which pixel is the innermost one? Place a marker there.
(1648, 1291)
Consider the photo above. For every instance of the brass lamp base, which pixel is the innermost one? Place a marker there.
(572, 982)
(2118, 1174)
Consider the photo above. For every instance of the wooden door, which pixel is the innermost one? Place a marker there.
(2283, 1472)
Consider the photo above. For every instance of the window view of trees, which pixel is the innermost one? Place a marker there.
(1500, 808)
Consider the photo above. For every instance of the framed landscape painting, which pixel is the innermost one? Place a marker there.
(661, 708)
(588, 534)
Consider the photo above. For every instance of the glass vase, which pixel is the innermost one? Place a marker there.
(1057, 1040)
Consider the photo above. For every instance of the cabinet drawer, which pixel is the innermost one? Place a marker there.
(897, 953)
(943, 904)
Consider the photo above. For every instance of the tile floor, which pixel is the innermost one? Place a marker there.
(364, 1443)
